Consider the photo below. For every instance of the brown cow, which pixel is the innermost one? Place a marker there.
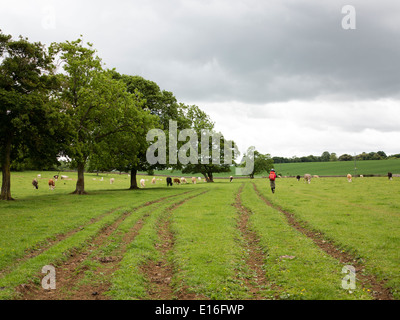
(177, 181)
(52, 184)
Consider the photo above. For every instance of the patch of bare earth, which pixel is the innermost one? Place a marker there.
(378, 288)
(160, 273)
(71, 272)
(256, 257)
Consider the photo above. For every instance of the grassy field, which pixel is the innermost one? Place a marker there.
(335, 168)
(340, 168)
(217, 240)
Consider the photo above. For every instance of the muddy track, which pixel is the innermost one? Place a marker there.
(160, 273)
(46, 244)
(256, 256)
(71, 272)
(379, 291)
(53, 241)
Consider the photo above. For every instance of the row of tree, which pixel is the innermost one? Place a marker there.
(61, 101)
(326, 156)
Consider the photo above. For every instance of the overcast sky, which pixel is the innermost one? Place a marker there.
(284, 76)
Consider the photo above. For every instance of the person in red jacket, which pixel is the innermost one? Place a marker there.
(272, 177)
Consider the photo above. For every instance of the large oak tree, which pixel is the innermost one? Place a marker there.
(99, 107)
(30, 119)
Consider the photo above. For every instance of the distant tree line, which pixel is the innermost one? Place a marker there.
(326, 156)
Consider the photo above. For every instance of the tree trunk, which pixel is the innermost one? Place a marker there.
(133, 179)
(80, 184)
(208, 176)
(6, 173)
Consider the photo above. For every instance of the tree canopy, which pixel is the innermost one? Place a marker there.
(31, 121)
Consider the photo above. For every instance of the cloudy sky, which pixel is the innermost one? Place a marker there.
(290, 77)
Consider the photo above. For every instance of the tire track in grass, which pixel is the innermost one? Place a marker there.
(71, 272)
(44, 245)
(255, 260)
(48, 243)
(160, 273)
(379, 291)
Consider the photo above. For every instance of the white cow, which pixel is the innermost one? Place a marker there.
(307, 178)
(142, 183)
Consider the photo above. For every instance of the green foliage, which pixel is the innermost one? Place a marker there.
(210, 146)
(31, 122)
(108, 123)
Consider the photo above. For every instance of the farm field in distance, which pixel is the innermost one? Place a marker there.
(332, 168)
(222, 240)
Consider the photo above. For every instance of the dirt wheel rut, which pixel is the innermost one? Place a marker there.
(256, 256)
(160, 273)
(378, 288)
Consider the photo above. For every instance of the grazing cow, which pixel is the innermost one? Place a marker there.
(64, 177)
(194, 180)
(153, 181)
(315, 176)
(112, 180)
(349, 177)
(298, 178)
(142, 183)
(390, 176)
(169, 181)
(183, 180)
(52, 184)
(307, 178)
(361, 176)
(230, 179)
(177, 181)
(35, 183)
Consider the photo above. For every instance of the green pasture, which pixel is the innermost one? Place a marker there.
(333, 168)
(340, 168)
(208, 255)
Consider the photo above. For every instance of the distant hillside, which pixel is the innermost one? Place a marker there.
(334, 168)
(339, 168)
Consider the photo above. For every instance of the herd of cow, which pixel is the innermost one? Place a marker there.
(170, 181)
(51, 182)
(307, 177)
